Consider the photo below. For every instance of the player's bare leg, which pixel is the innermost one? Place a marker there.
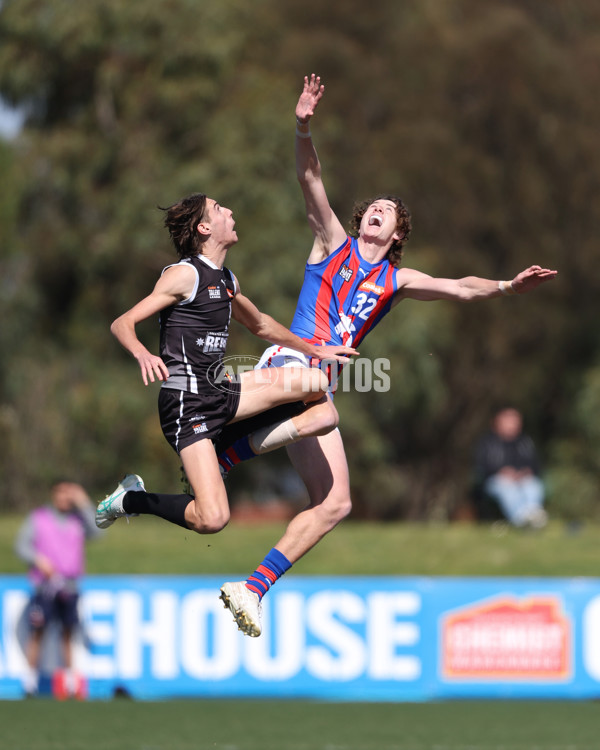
(322, 465)
(321, 462)
(273, 386)
(318, 418)
(208, 512)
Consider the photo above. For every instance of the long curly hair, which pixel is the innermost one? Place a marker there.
(181, 219)
(403, 225)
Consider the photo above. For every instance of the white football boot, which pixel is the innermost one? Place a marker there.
(111, 507)
(244, 605)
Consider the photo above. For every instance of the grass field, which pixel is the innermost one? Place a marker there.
(249, 725)
(149, 545)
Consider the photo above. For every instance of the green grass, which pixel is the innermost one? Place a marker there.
(149, 545)
(298, 725)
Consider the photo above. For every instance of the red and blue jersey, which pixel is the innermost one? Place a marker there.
(343, 297)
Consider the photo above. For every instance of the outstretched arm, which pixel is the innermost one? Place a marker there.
(327, 230)
(265, 327)
(416, 285)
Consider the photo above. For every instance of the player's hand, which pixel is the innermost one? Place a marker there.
(532, 277)
(337, 353)
(309, 98)
(152, 368)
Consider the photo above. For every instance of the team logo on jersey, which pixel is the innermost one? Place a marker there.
(369, 286)
(214, 292)
(345, 273)
(212, 342)
(345, 328)
(198, 428)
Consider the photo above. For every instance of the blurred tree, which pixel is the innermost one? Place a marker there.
(478, 114)
(118, 100)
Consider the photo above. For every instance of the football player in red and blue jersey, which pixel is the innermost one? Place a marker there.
(350, 283)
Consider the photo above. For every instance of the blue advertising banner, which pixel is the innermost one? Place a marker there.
(374, 639)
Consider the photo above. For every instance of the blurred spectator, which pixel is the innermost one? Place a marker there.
(507, 471)
(52, 543)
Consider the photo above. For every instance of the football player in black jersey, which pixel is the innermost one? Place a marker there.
(195, 299)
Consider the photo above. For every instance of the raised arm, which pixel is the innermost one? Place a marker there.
(265, 327)
(327, 230)
(416, 285)
(174, 285)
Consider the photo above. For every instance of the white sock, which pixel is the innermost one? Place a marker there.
(30, 680)
(70, 682)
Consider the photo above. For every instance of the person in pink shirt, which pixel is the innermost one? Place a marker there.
(52, 543)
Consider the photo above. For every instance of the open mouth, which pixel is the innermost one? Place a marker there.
(375, 220)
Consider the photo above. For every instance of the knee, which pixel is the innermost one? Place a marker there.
(343, 508)
(208, 522)
(315, 383)
(336, 508)
(329, 418)
(324, 419)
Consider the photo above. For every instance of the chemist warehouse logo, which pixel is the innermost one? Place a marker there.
(507, 639)
(311, 637)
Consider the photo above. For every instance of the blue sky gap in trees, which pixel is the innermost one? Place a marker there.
(11, 120)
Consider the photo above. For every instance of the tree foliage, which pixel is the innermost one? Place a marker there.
(481, 115)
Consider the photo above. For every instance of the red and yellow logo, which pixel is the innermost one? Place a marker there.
(507, 639)
(369, 286)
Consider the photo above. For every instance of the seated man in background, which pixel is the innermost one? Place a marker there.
(507, 470)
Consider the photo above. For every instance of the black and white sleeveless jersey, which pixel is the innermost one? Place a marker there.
(194, 332)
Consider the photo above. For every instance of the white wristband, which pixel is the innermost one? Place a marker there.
(507, 288)
(300, 134)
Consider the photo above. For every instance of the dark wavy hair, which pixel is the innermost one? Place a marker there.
(403, 226)
(181, 219)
